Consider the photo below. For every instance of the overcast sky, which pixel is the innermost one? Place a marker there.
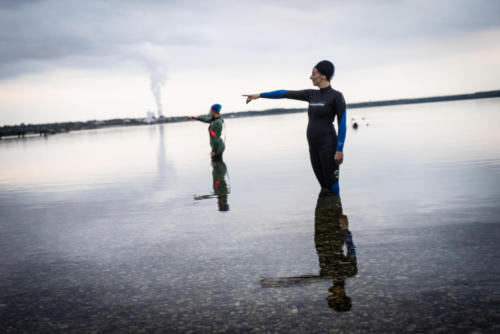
(80, 60)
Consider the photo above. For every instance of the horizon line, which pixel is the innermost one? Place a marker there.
(248, 113)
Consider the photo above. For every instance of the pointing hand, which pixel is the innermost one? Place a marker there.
(251, 97)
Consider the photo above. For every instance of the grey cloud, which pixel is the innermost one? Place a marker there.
(49, 31)
(36, 35)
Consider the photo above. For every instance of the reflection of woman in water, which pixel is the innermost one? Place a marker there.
(220, 186)
(331, 232)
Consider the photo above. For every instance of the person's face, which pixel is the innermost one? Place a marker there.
(212, 113)
(316, 77)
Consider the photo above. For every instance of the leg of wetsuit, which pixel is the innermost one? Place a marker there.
(314, 155)
(324, 166)
(328, 166)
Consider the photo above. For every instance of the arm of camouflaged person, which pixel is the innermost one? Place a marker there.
(204, 119)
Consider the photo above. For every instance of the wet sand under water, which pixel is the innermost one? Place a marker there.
(120, 230)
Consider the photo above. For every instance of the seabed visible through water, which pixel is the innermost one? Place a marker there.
(135, 230)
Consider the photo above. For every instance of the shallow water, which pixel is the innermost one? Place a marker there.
(100, 230)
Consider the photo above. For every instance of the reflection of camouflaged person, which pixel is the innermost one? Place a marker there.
(330, 233)
(221, 189)
(220, 185)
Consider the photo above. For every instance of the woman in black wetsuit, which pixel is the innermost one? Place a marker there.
(325, 147)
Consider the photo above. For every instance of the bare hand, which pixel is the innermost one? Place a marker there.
(339, 157)
(251, 97)
(212, 154)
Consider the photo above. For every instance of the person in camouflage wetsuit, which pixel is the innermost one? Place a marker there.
(214, 131)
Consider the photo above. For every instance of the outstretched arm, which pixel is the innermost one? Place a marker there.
(204, 119)
(302, 95)
(340, 110)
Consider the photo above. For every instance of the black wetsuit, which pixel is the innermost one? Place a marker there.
(324, 105)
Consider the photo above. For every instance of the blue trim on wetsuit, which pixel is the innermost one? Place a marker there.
(341, 135)
(335, 188)
(277, 94)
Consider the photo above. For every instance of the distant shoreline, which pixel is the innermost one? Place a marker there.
(23, 130)
(370, 104)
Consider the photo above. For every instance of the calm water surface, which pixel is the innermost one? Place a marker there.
(119, 229)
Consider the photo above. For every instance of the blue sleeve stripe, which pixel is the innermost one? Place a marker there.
(341, 134)
(277, 94)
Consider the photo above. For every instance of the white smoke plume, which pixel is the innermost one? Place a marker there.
(153, 57)
(158, 76)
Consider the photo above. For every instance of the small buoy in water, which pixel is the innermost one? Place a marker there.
(354, 125)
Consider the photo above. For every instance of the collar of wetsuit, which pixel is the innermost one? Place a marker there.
(326, 88)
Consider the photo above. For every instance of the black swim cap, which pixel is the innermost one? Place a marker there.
(326, 68)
